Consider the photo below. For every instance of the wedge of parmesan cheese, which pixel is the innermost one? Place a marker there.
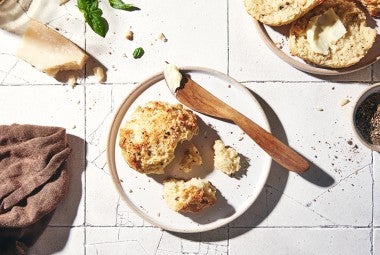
(324, 30)
(48, 50)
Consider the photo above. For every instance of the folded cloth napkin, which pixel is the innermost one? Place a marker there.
(33, 179)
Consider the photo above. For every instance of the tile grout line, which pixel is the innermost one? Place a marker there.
(228, 73)
(241, 81)
(230, 227)
(372, 234)
(228, 37)
(85, 148)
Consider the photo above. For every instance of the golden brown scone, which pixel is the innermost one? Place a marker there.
(373, 7)
(347, 50)
(279, 12)
(189, 196)
(149, 138)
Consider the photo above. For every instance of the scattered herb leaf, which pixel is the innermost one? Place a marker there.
(93, 16)
(138, 52)
(119, 4)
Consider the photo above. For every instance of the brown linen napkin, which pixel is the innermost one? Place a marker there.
(33, 178)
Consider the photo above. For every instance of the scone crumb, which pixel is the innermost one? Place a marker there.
(190, 158)
(226, 159)
(193, 195)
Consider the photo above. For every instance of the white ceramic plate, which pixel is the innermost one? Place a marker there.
(276, 39)
(143, 193)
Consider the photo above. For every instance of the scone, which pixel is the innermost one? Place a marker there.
(226, 159)
(149, 138)
(279, 12)
(314, 37)
(373, 7)
(189, 196)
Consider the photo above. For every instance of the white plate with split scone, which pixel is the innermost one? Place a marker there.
(324, 37)
(157, 182)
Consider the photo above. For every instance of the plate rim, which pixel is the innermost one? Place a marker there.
(112, 139)
(304, 66)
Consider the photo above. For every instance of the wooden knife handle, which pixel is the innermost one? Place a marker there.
(280, 152)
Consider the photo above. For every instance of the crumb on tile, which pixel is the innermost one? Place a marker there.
(61, 2)
(344, 101)
(129, 35)
(162, 37)
(72, 81)
(99, 74)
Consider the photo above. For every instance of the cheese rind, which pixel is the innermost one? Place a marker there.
(49, 51)
(324, 31)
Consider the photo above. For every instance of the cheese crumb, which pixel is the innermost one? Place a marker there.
(226, 159)
(62, 2)
(129, 35)
(162, 37)
(344, 101)
(99, 74)
(72, 81)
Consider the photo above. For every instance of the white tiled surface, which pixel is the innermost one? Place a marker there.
(332, 209)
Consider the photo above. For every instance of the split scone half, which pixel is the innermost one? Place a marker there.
(149, 138)
(334, 34)
(189, 196)
(279, 12)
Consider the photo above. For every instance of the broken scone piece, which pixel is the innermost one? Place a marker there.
(191, 158)
(49, 51)
(189, 196)
(226, 159)
(150, 136)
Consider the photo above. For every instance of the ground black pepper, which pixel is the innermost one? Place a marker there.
(367, 118)
(375, 127)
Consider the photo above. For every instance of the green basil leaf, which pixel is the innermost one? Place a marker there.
(82, 4)
(138, 52)
(93, 5)
(93, 16)
(98, 24)
(119, 4)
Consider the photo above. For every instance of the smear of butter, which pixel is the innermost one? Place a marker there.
(323, 31)
(172, 76)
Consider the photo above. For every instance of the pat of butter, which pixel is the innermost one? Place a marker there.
(172, 77)
(323, 31)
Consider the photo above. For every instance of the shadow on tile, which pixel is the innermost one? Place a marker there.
(88, 70)
(261, 208)
(277, 179)
(68, 211)
(315, 174)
